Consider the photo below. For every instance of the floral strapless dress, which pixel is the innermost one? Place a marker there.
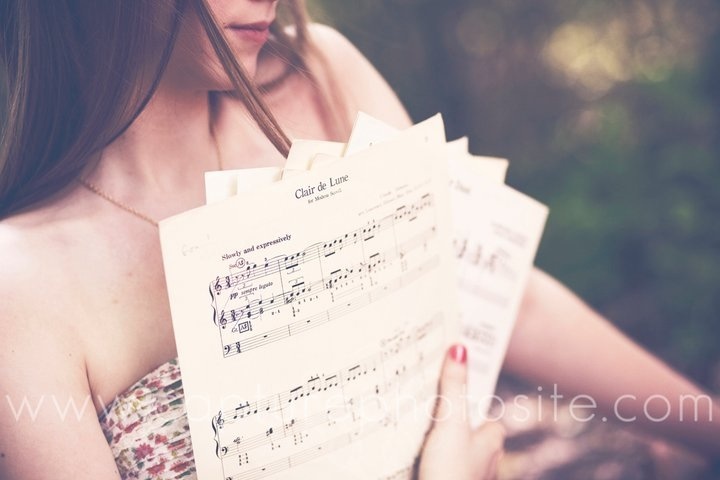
(147, 428)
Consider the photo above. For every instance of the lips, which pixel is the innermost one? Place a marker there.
(257, 32)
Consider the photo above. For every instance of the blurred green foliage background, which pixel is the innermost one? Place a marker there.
(609, 112)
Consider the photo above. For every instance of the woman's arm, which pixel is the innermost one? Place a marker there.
(48, 422)
(559, 340)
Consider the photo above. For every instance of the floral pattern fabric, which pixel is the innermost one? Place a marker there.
(147, 428)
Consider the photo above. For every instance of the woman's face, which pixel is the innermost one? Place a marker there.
(245, 23)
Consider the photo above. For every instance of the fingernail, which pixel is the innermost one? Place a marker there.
(458, 353)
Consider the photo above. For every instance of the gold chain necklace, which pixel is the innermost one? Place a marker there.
(102, 194)
(106, 196)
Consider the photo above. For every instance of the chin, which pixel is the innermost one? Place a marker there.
(196, 77)
(250, 65)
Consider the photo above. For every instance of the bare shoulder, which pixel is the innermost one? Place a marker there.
(42, 252)
(26, 243)
(33, 327)
(37, 247)
(47, 418)
(363, 85)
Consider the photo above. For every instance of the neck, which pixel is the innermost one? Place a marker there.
(157, 165)
(169, 144)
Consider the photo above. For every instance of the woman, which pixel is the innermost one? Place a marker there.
(113, 117)
(111, 123)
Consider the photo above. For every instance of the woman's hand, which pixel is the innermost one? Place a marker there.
(452, 449)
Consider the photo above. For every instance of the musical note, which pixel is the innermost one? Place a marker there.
(298, 281)
(313, 253)
(311, 423)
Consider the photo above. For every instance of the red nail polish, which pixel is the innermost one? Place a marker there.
(458, 353)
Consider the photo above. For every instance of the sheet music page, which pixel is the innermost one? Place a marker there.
(311, 317)
(322, 160)
(458, 147)
(496, 233)
(302, 152)
(222, 184)
(369, 131)
(366, 132)
(490, 168)
(252, 178)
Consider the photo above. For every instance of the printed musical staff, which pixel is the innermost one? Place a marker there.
(254, 271)
(329, 315)
(258, 439)
(273, 300)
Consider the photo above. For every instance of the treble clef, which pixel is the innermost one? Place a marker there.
(217, 424)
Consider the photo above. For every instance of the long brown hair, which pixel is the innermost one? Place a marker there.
(76, 78)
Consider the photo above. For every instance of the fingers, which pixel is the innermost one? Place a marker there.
(487, 442)
(452, 449)
(451, 405)
(490, 436)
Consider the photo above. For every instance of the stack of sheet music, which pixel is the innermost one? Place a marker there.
(313, 305)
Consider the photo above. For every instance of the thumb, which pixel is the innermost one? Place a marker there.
(451, 404)
(452, 449)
